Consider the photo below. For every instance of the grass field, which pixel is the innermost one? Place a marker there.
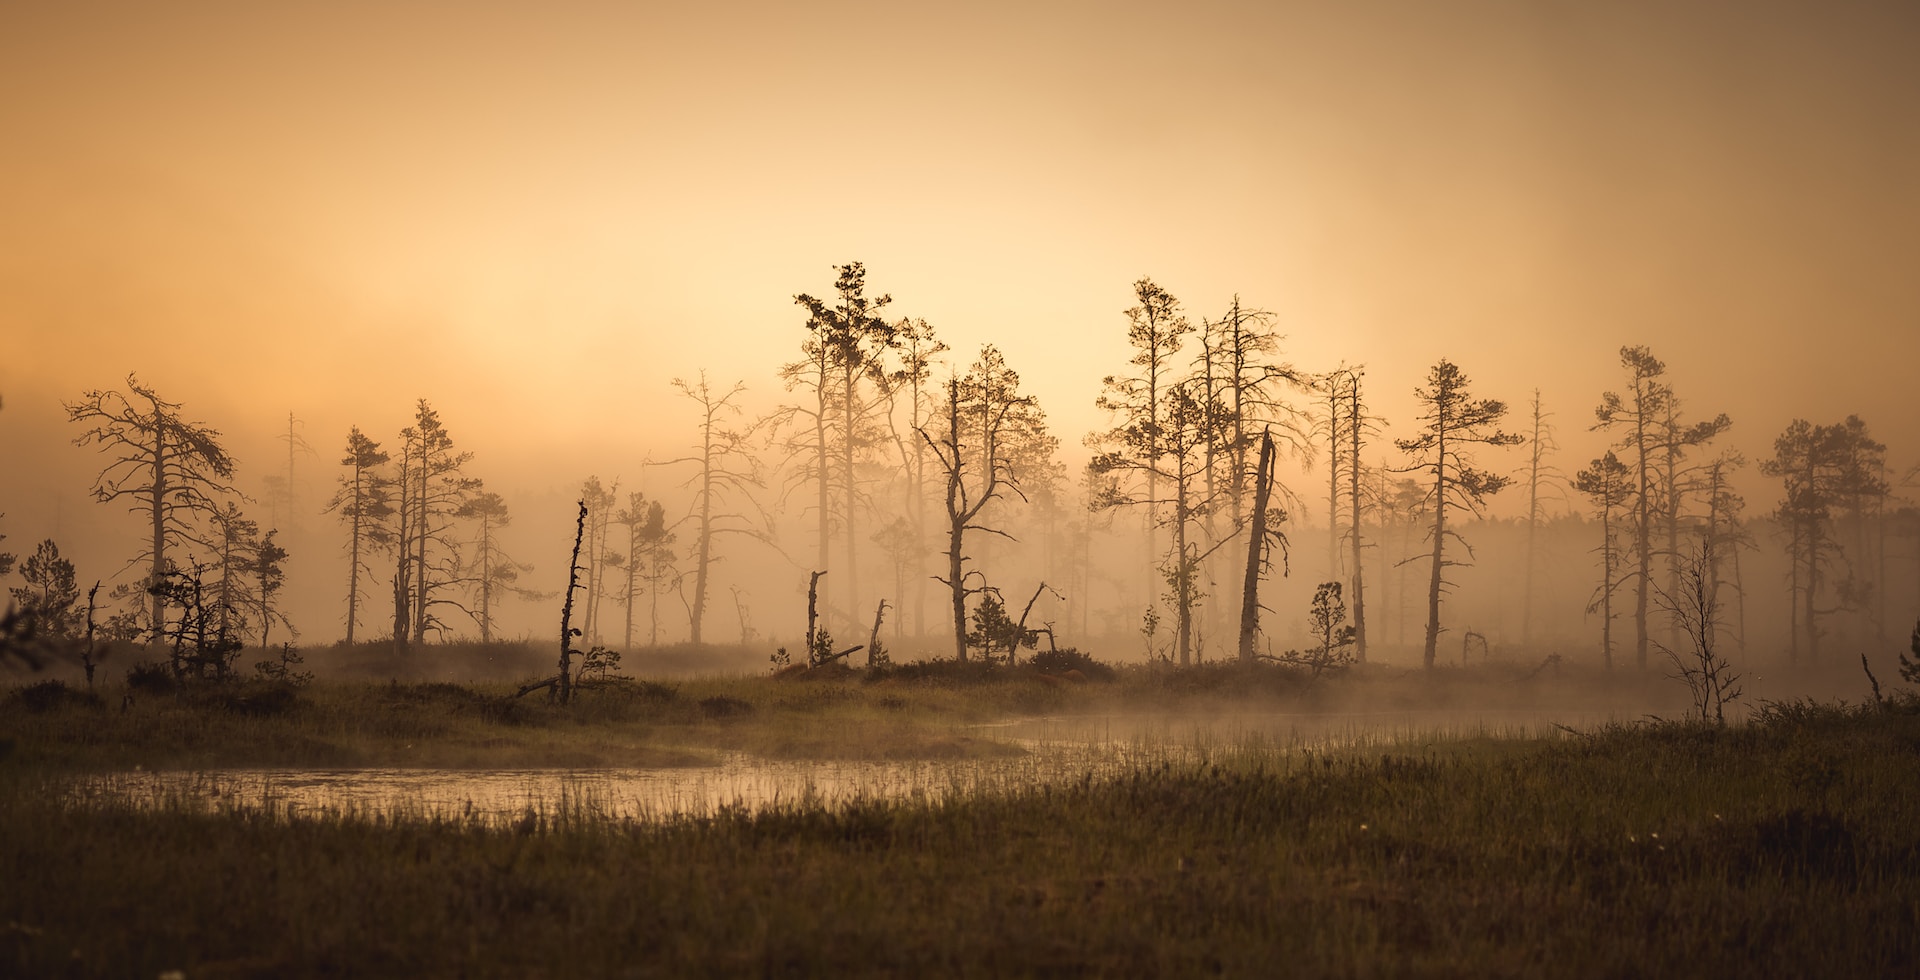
(1785, 846)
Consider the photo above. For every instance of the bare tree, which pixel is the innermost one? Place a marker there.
(1263, 534)
(288, 493)
(1250, 382)
(1710, 679)
(904, 380)
(1540, 473)
(728, 474)
(166, 468)
(600, 500)
(1453, 421)
(987, 402)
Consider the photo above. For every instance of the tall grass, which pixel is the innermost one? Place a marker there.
(1782, 848)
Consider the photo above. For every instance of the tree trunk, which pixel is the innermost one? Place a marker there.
(1256, 544)
(703, 547)
(1533, 525)
(1606, 584)
(564, 681)
(1643, 530)
(1353, 472)
(873, 638)
(821, 461)
(158, 501)
(1439, 542)
(353, 565)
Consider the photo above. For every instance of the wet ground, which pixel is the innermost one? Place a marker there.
(1054, 750)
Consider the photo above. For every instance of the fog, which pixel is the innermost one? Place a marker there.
(535, 224)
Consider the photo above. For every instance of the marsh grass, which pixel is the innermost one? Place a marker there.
(913, 712)
(1785, 847)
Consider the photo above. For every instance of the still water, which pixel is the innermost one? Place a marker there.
(1053, 750)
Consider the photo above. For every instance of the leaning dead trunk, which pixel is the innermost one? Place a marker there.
(563, 682)
(1256, 545)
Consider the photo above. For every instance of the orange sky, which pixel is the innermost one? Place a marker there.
(535, 215)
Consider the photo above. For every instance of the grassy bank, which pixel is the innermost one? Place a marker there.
(1786, 847)
(916, 712)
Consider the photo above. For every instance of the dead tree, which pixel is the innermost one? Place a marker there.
(169, 470)
(728, 474)
(977, 475)
(1020, 634)
(876, 654)
(563, 682)
(1263, 531)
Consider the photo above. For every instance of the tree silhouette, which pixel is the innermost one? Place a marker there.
(600, 501)
(728, 473)
(493, 574)
(985, 404)
(1639, 413)
(270, 577)
(1821, 467)
(432, 491)
(1177, 457)
(1263, 533)
(236, 547)
(364, 500)
(167, 469)
(843, 349)
(1241, 375)
(1674, 439)
(1539, 473)
(652, 544)
(49, 597)
(905, 378)
(1453, 420)
(1155, 328)
(1608, 484)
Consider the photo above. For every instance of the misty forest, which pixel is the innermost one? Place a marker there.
(465, 511)
(919, 501)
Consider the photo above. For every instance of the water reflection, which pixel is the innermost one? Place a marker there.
(1055, 750)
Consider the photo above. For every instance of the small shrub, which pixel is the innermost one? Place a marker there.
(721, 706)
(259, 699)
(1061, 661)
(284, 668)
(51, 696)
(151, 678)
(654, 691)
(427, 692)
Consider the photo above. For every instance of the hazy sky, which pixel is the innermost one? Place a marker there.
(536, 215)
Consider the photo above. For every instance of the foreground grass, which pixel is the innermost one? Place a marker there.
(1787, 847)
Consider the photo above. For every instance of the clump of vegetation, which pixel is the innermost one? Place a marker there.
(285, 668)
(51, 695)
(1060, 661)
